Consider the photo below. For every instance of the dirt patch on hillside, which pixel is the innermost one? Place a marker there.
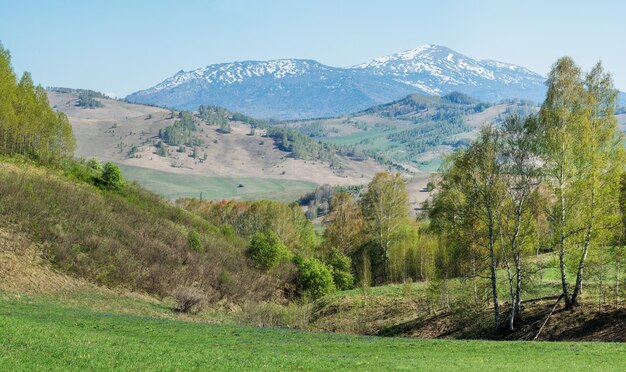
(23, 270)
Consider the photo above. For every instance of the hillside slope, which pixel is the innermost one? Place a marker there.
(131, 239)
(411, 132)
(128, 134)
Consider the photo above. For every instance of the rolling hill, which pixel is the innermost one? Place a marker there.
(299, 89)
(412, 133)
(241, 164)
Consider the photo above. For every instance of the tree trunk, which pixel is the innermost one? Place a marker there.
(516, 302)
(518, 285)
(494, 283)
(474, 280)
(510, 279)
(617, 283)
(579, 273)
(568, 304)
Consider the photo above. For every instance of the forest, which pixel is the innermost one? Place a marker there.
(28, 126)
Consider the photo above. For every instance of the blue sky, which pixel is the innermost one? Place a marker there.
(122, 46)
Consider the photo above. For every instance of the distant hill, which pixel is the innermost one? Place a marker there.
(217, 152)
(412, 133)
(299, 89)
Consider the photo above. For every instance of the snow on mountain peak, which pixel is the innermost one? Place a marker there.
(433, 65)
(305, 88)
(236, 72)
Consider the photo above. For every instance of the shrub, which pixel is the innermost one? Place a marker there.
(315, 278)
(89, 171)
(228, 231)
(194, 241)
(112, 177)
(95, 165)
(341, 265)
(266, 249)
(189, 300)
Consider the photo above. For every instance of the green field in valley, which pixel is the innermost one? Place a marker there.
(174, 186)
(47, 335)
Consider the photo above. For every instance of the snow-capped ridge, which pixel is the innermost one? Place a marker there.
(237, 72)
(301, 88)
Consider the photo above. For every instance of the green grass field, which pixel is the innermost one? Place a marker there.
(174, 186)
(45, 335)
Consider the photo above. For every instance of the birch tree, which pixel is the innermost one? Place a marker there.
(521, 177)
(560, 121)
(385, 208)
(600, 162)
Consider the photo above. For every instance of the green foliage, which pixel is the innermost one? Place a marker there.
(266, 249)
(182, 132)
(87, 99)
(162, 149)
(428, 136)
(132, 152)
(385, 211)
(112, 178)
(460, 98)
(314, 277)
(248, 218)
(341, 267)
(225, 128)
(195, 241)
(214, 115)
(301, 146)
(89, 171)
(28, 126)
(318, 201)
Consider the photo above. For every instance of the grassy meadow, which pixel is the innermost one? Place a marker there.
(39, 333)
(175, 186)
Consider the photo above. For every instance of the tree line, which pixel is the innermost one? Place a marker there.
(28, 126)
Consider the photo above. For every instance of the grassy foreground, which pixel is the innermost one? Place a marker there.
(38, 335)
(174, 186)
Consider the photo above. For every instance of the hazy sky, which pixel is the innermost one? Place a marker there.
(122, 46)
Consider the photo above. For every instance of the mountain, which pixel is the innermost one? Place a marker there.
(289, 88)
(439, 70)
(297, 89)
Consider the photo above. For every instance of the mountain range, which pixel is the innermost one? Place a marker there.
(299, 89)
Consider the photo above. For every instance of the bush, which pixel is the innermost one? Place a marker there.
(112, 178)
(266, 249)
(315, 278)
(95, 165)
(341, 266)
(189, 300)
(89, 171)
(194, 241)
